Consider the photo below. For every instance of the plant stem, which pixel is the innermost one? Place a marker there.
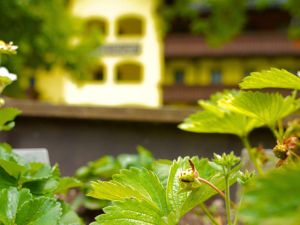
(247, 145)
(295, 154)
(208, 214)
(227, 200)
(212, 186)
(280, 130)
(215, 188)
(275, 132)
(236, 217)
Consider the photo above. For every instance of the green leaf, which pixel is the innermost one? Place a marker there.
(266, 107)
(69, 217)
(176, 198)
(161, 168)
(273, 199)
(7, 115)
(42, 210)
(138, 196)
(136, 183)
(11, 162)
(182, 202)
(130, 212)
(204, 192)
(273, 78)
(40, 178)
(12, 168)
(104, 167)
(228, 123)
(36, 171)
(10, 201)
(66, 183)
(145, 157)
(42, 187)
(6, 180)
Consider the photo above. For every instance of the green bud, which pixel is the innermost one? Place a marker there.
(226, 160)
(245, 178)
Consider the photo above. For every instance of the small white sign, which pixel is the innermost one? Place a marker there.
(33, 154)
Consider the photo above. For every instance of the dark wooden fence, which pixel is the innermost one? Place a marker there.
(75, 135)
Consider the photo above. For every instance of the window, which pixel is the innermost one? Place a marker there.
(130, 26)
(129, 72)
(216, 77)
(97, 24)
(97, 73)
(179, 75)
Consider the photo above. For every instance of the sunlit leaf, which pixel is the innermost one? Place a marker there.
(134, 183)
(273, 78)
(130, 212)
(229, 123)
(266, 107)
(138, 196)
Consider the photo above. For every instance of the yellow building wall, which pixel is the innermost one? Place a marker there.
(50, 85)
(184, 64)
(233, 69)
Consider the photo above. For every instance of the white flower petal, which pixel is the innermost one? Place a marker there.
(5, 73)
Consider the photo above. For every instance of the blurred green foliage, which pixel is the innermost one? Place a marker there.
(103, 169)
(47, 35)
(220, 21)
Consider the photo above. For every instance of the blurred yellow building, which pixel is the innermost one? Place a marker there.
(139, 67)
(129, 70)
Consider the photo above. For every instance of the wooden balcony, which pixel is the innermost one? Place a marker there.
(178, 94)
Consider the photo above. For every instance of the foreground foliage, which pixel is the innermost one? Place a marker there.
(139, 197)
(28, 190)
(104, 168)
(270, 197)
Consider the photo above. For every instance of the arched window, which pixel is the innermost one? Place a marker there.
(129, 73)
(130, 26)
(97, 24)
(97, 73)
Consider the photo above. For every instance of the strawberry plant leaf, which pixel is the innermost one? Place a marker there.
(69, 217)
(182, 202)
(136, 183)
(6, 180)
(66, 183)
(10, 202)
(161, 168)
(228, 123)
(7, 115)
(273, 78)
(138, 196)
(273, 199)
(265, 107)
(37, 211)
(131, 212)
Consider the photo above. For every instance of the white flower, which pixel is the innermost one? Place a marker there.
(8, 48)
(298, 73)
(5, 73)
